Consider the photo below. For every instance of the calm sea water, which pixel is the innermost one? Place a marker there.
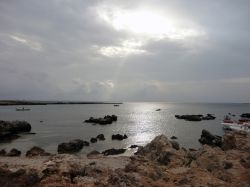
(139, 121)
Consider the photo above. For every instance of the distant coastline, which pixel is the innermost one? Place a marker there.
(18, 102)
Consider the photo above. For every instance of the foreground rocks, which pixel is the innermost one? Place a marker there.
(198, 117)
(157, 164)
(10, 129)
(102, 121)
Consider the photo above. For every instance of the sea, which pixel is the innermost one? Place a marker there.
(54, 124)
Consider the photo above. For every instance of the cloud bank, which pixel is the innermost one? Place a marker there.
(195, 51)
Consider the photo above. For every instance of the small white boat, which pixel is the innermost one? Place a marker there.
(240, 125)
(236, 126)
(22, 109)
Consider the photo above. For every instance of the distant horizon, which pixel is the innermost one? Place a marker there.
(121, 102)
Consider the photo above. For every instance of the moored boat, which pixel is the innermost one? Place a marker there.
(23, 109)
(234, 125)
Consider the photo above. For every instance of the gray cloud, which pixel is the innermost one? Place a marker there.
(80, 50)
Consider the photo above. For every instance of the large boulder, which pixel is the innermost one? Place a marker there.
(113, 151)
(14, 126)
(9, 130)
(37, 151)
(70, 147)
(210, 139)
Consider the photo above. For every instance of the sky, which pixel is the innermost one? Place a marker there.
(112, 50)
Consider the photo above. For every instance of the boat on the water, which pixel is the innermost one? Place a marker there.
(236, 125)
(23, 109)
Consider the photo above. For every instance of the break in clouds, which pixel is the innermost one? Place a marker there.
(191, 51)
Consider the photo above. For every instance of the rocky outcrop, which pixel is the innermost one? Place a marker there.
(198, 117)
(19, 177)
(210, 139)
(70, 147)
(9, 130)
(93, 140)
(36, 151)
(245, 115)
(102, 121)
(113, 151)
(119, 137)
(14, 152)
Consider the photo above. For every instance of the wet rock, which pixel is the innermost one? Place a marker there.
(173, 137)
(189, 117)
(100, 137)
(14, 152)
(208, 117)
(229, 142)
(118, 137)
(85, 143)
(175, 145)
(133, 146)
(102, 121)
(245, 115)
(113, 151)
(70, 147)
(2, 152)
(9, 130)
(198, 117)
(93, 140)
(210, 139)
(37, 151)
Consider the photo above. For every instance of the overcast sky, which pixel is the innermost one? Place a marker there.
(158, 50)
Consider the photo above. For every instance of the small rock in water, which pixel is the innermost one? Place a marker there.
(113, 151)
(174, 137)
(100, 137)
(119, 137)
(93, 140)
(70, 147)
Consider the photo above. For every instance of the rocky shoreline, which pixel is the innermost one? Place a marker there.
(224, 162)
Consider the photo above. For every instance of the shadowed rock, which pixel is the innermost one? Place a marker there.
(93, 140)
(9, 130)
(198, 117)
(100, 137)
(119, 137)
(37, 151)
(70, 147)
(210, 139)
(14, 152)
(113, 151)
